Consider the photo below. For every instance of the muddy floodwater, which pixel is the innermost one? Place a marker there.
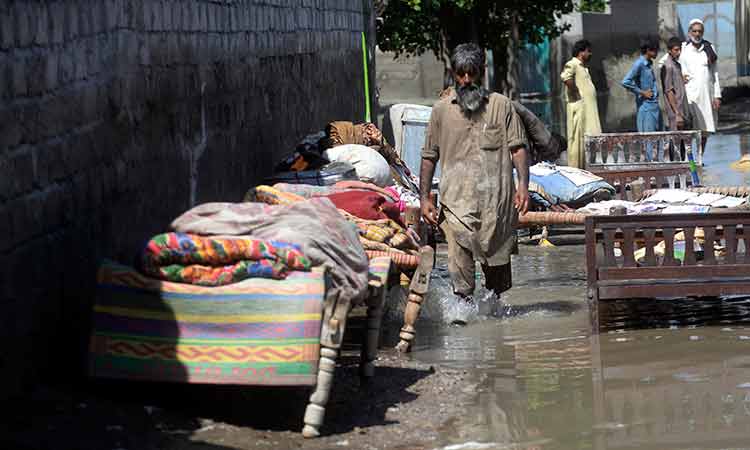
(662, 374)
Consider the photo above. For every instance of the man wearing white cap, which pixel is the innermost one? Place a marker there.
(698, 61)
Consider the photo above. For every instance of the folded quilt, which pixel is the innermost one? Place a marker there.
(322, 234)
(204, 261)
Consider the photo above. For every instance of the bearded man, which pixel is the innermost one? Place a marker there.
(699, 67)
(475, 135)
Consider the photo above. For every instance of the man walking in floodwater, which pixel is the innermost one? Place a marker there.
(673, 86)
(580, 95)
(475, 135)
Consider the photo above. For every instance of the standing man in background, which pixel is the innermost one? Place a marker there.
(698, 60)
(641, 81)
(580, 96)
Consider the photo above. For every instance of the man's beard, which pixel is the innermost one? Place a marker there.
(696, 40)
(470, 97)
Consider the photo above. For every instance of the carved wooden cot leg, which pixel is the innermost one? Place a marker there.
(420, 283)
(315, 412)
(375, 308)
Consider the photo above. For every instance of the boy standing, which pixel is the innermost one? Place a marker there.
(673, 87)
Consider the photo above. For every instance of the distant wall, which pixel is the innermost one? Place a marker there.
(117, 115)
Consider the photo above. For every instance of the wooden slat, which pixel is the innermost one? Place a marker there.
(650, 255)
(689, 247)
(669, 259)
(628, 248)
(730, 241)
(609, 248)
(660, 235)
(606, 149)
(726, 271)
(590, 252)
(684, 288)
(672, 220)
(708, 248)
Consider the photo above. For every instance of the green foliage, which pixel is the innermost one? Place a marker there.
(592, 5)
(414, 26)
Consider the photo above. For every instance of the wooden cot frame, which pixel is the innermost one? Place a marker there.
(620, 158)
(332, 325)
(612, 277)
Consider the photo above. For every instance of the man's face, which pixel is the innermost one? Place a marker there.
(586, 55)
(675, 51)
(651, 53)
(466, 78)
(696, 32)
(469, 91)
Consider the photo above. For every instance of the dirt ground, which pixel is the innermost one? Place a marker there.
(406, 406)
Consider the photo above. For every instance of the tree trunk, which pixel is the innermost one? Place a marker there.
(512, 78)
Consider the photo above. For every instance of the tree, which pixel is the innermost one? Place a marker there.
(413, 27)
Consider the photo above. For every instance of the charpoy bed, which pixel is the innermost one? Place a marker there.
(621, 159)
(255, 332)
(681, 255)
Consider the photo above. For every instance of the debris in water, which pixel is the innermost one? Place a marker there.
(472, 446)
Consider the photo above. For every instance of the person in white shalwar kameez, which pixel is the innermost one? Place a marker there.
(698, 61)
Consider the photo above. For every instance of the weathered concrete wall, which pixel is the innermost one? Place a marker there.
(117, 115)
(408, 79)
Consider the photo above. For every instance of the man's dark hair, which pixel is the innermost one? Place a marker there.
(468, 58)
(648, 44)
(580, 46)
(673, 42)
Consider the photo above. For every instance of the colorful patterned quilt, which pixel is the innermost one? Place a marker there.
(189, 258)
(258, 332)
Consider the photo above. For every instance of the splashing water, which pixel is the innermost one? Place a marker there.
(441, 305)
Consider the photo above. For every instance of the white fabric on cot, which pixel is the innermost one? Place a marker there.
(370, 165)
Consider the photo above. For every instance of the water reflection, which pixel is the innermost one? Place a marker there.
(667, 374)
(662, 374)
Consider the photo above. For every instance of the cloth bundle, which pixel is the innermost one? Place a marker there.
(293, 192)
(385, 237)
(271, 196)
(314, 225)
(365, 205)
(379, 234)
(550, 185)
(343, 133)
(188, 258)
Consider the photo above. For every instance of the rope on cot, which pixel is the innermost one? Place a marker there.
(368, 117)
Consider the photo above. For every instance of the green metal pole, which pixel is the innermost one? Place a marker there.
(368, 117)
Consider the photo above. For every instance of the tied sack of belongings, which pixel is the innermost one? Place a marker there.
(346, 133)
(550, 184)
(370, 166)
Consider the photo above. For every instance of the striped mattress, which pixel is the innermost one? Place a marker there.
(255, 332)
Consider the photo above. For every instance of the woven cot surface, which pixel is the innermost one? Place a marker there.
(258, 331)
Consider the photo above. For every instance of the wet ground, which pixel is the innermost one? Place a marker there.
(524, 373)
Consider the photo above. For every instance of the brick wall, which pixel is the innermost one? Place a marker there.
(117, 115)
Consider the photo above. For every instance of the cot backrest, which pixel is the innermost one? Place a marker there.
(664, 175)
(621, 150)
(697, 254)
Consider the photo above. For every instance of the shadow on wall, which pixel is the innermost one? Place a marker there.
(617, 108)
